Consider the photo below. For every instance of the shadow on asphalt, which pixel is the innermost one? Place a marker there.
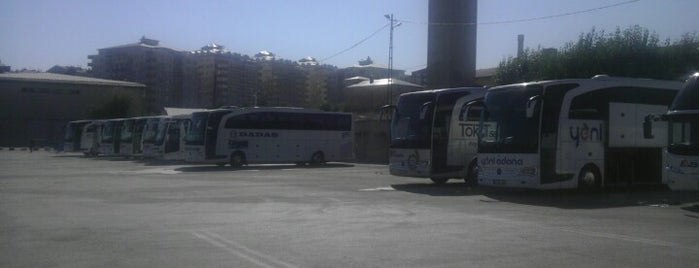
(160, 162)
(694, 208)
(209, 168)
(448, 189)
(655, 196)
(70, 156)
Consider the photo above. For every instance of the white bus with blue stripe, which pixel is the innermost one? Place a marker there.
(240, 136)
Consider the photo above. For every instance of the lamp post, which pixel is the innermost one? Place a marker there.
(390, 57)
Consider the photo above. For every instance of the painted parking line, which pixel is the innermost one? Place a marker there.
(378, 189)
(255, 257)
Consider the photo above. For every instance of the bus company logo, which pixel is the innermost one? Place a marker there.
(470, 130)
(585, 134)
(253, 134)
(689, 164)
(502, 161)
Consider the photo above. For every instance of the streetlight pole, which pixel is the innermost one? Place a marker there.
(390, 57)
(390, 60)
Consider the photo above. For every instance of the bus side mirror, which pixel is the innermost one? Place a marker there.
(466, 109)
(531, 105)
(648, 124)
(426, 107)
(383, 110)
(648, 127)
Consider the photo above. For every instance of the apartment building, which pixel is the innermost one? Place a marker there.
(145, 62)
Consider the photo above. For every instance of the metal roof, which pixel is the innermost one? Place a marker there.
(65, 79)
(182, 111)
(382, 83)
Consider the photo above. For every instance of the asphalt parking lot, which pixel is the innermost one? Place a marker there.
(65, 210)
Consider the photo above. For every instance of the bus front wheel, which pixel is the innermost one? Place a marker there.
(589, 178)
(317, 158)
(471, 179)
(237, 159)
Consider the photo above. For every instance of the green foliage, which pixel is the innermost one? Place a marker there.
(119, 106)
(633, 52)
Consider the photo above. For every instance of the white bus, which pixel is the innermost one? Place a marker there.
(585, 133)
(169, 143)
(432, 135)
(78, 138)
(132, 132)
(126, 137)
(151, 129)
(111, 137)
(682, 154)
(92, 135)
(269, 135)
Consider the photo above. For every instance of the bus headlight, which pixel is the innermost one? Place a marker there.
(528, 171)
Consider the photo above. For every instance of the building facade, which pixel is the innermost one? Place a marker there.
(145, 62)
(215, 77)
(35, 107)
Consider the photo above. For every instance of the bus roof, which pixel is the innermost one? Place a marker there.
(601, 79)
(687, 101)
(267, 109)
(445, 91)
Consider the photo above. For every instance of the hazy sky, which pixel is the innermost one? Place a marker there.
(38, 34)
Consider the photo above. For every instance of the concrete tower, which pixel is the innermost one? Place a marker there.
(451, 43)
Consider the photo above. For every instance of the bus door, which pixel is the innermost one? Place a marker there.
(440, 133)
(463, 132)
(172, 138)
(212, 129)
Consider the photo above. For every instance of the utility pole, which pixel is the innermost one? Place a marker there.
(390, 58)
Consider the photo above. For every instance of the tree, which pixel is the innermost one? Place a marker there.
(117, 107)
(633, 52)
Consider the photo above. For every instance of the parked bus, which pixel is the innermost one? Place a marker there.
(173, 143)
(585, 133)
(76, 139)
(132, 131)
(151, 129)
(269, 135)
(682, 154)
(92, 135)
(126, 137)
(169, 141)
(111, 137)
(82, 136)
(432, 136)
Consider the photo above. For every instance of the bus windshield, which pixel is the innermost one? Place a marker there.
(683, 135)
(108, 132)
(411, 125)
(160, 137)
(151, 130)
(126, 131)
(71, 131)
(197, 129)
(506, 112)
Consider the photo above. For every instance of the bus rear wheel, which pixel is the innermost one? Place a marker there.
(237, 159)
